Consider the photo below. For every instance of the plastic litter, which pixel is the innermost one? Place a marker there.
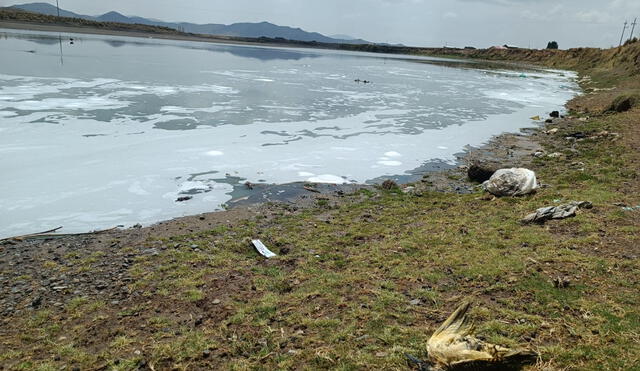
(262, 249)
(556, 212)
(511, 182)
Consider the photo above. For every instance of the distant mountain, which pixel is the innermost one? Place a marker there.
(114, 17)
(254, 30)
(342, 36)
(48, 9)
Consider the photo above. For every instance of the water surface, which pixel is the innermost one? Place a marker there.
(112, 131)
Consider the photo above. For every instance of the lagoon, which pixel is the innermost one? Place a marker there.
(101, 131)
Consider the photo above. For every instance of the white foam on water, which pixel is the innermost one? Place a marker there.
(215, 153)
(136, 188)
(392, 154)
(390, 163)
(328, 179)
(85, 103)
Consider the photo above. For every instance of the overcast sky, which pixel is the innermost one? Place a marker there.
(481, 23)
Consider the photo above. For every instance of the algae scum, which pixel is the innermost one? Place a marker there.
(112, 131)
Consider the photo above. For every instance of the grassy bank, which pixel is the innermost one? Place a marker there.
(360, 281)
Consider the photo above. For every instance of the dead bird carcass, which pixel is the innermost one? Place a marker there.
(454, 347)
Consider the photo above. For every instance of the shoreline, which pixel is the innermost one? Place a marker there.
(295, 193)
(512, 149)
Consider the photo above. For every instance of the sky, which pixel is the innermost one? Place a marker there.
(455, 23)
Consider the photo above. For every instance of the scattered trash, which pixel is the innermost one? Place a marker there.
(539, 154)
(605, 134)
(577, 135)
(511, 182)
(454, 347)
(262, 249)
(556, 212)
(551, 131)
(631, 208)
(555, 155)
(311, 189)
(535, 118)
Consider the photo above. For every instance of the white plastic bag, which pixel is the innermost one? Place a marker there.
(512, 182)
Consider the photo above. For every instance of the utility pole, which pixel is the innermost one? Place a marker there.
(635, 21)
(58, 7)
(623, 30)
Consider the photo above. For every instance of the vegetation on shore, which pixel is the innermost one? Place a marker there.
(360, 282)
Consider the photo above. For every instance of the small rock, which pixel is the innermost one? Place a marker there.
(206, 353)
(415, 302)
(216, 301)
(184, 198)
(137, 226)
(389, 185)
(555, 114)
(408, 190)
(622, 103)
(36, 302)
(481, 171)
(152, 252)
(561, 283)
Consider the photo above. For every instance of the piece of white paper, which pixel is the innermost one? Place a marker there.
(262, 249)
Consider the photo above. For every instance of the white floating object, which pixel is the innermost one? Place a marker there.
(262, 249)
